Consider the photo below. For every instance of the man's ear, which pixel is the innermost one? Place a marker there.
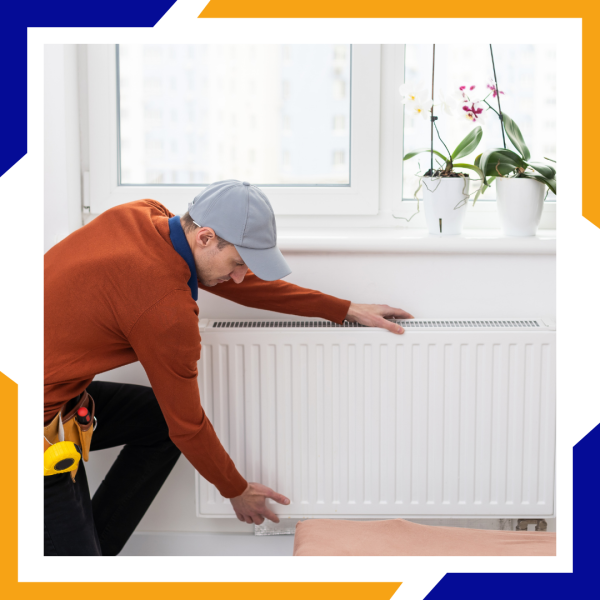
(205, 236)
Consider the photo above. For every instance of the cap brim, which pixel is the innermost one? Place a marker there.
(265, 263)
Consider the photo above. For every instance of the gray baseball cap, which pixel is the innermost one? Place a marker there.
(241, 214)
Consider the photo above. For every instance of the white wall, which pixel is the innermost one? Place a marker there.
(62, 181)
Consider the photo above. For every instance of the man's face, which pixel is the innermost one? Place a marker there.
(214, 266)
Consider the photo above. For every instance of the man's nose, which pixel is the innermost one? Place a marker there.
(238, 275)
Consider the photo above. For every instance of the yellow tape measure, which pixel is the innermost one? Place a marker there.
(61, 458)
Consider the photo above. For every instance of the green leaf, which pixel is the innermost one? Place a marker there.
(498, 161)
(477, 159)
(483, 186)
(468, 166)
(509, 154)
(415, 152)
(469, 143)
(550, 182)
(488, 184)
(515, 136)
(547, 171)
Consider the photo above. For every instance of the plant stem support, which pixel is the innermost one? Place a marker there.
(432, 117)
(498, 96)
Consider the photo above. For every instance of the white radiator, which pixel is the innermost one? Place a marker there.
(452, 418)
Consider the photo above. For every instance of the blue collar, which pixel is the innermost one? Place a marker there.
(181, 245)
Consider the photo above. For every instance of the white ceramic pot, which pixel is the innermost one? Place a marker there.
(520, 202)
(445, 203)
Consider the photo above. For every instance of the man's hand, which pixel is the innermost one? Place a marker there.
(373, 315)
(250, 506)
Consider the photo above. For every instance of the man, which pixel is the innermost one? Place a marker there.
(124, 288)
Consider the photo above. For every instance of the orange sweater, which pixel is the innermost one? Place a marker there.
(115, 292)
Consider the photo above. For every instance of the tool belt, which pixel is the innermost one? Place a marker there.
(73, 430)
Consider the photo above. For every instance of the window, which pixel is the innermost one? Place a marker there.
(155, 151)
(155, 177)
(339, 158)
(153, 54)
(303, 83)
(153, 118)
(339, 89)
(258, 102)
(339, 52)
(527, 76)
(339, 124)
(152, 86)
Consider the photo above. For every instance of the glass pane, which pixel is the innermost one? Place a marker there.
(268, 114)
(527, 76)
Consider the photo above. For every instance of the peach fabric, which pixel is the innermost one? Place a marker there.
(397, 537)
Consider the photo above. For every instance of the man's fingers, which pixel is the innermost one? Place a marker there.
(278, 497)
(398, 313)
(271, 516)
(258, 519)
(393, 327)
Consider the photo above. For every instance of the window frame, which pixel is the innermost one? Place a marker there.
(361, 197)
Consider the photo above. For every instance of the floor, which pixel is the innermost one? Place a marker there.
(208, 544)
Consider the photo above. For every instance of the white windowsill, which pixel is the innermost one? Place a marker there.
(419, 241)
(406, 240)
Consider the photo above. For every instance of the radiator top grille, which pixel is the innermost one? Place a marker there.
(406, 324)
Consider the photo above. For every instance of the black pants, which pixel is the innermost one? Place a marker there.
(77, 525)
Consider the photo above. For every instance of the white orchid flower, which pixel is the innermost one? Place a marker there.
(450, 101)
(413, 93)
(421, 109)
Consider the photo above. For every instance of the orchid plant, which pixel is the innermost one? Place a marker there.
(503, 162)
(417, 104)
